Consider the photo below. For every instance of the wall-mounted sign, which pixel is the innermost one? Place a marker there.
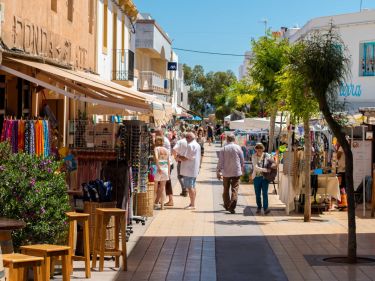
(350, 90)
(172, 66)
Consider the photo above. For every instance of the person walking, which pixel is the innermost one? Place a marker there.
(210, 134)
(163, 172)
(180, 149)
(201, 140)
(190, 162)
(261, 161)
(229, 168)
(168, 186)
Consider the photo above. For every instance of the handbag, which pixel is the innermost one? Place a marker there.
(271, 165)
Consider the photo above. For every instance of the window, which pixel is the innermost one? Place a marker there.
(70, 10)
(114, 41)
(182, 97)
(130, 65)
(54, 5)
(105, 26)
(123, 38)
(367, 59)
(91, 16)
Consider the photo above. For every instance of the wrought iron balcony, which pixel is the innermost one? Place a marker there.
(124, 68)
(150, 81)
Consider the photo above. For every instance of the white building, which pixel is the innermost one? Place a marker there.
(357, 31)
(116, 41)
(153, 52)
(243, 68)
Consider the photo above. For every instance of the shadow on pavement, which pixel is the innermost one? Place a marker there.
(240, 222)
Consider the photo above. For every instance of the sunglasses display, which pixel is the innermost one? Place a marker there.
(135, 147)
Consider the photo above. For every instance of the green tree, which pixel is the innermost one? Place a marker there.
(238, 96)
(204, 88)
(324, 65)
(302, 105)
(269, 58)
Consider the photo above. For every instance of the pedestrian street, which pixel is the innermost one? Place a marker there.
(211, 244)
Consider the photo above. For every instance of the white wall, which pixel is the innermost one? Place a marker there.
(105, 59)
(355, 28)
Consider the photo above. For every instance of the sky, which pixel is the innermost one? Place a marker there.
(227, 26)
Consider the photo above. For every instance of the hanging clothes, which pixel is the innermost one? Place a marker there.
(31, 138)
(14, 136)
(21, 135)
(46, 143)
(39, 138)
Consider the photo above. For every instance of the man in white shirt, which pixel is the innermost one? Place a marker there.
(190, 162)
(180, 149)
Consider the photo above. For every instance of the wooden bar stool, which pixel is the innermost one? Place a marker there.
(18, 265)
(47, 252)
(103, 216)
(84, 218)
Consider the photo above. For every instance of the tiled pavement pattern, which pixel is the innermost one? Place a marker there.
(209, 244)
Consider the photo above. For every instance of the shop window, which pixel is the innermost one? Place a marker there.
(54, 5)
(91, 16)
(105, 26)
(367, 59)
(70, 10)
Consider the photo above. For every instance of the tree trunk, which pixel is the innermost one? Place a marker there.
(340, 135)
(306, 170)
(272, 129)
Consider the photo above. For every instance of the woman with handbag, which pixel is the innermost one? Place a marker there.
(263, 164)
(163, 172)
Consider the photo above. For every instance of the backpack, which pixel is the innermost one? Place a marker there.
(269, 176)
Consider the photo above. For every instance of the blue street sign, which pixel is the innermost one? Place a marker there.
(172, 66)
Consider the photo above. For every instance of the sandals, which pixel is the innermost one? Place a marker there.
(168, 204)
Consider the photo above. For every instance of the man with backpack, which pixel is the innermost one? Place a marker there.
(229, 168)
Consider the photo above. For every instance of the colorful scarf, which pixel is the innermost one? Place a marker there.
(46, 139)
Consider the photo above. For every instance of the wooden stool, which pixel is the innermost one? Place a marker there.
(84, 218)
(47, 252)
(18, 264)
(103, 216)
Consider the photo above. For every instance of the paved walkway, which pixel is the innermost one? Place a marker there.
(211, 244)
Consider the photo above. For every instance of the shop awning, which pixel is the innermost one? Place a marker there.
(78, 85)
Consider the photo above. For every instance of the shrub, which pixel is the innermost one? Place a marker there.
(33, 190)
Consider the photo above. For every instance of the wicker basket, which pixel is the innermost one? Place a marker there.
(90, 208)
(145, 202)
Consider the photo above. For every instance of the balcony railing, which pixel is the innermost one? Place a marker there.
(124, 68)
(150, 81)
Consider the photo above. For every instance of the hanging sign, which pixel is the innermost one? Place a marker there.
(172, 66)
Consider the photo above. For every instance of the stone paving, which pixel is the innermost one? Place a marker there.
(211, 244)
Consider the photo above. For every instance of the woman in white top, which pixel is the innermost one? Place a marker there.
(163, 170)
(259, 160)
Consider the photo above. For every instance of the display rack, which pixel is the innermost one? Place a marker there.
(135, 149)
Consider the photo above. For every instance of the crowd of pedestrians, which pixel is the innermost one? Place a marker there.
(186, 148)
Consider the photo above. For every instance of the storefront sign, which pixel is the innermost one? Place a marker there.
(36, 40)
(350, 90)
